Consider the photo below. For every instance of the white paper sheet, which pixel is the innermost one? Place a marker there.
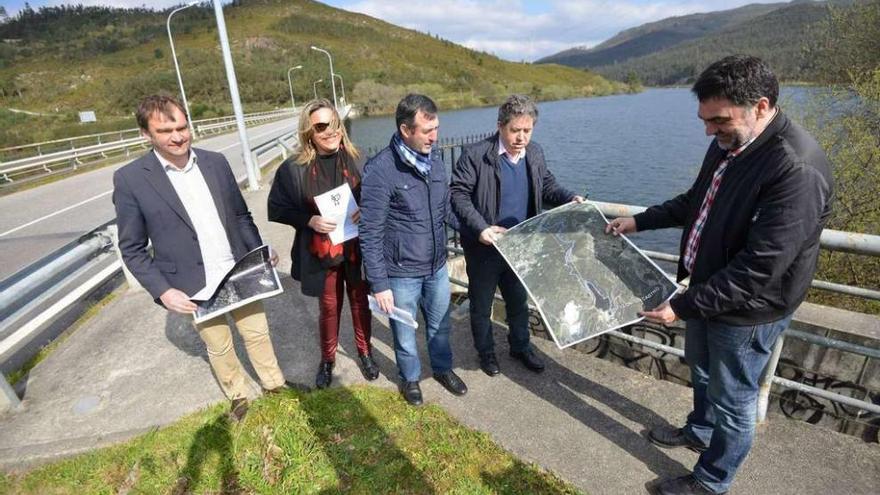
(396, 314)
(339, 205)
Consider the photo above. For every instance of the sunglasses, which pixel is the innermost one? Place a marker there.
(320, 127)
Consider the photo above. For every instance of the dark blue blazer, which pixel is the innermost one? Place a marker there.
(149, 210)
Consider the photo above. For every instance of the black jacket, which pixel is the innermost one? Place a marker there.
(476, 187)
(148, 210)
(759, 247)
(288, 204)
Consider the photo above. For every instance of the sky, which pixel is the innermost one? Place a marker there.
(517, 30)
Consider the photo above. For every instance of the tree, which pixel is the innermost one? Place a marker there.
(847, 55)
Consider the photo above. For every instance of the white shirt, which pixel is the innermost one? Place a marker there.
(513, 159)
(191, 188)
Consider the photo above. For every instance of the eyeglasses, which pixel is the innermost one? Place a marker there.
(320, 127)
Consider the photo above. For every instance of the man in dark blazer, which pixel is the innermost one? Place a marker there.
(496, 184)
(186, 202)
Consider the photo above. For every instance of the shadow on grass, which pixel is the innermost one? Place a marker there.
(365, 457)
(521, 478)
(212, 438)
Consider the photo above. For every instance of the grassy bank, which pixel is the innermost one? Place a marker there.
(342, 440)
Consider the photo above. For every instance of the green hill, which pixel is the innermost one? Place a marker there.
(675, 50)
(64, 59)
(656, 36)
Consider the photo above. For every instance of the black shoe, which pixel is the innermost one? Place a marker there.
(238, 409)
(529, 359)
(684, 485)
(451, 382)
(288, 385)
(670, 438)
(325, 374)
(489, 364)
(412, 393)
(368, 367)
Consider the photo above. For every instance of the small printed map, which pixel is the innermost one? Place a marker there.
(583, 281)
(252, 278)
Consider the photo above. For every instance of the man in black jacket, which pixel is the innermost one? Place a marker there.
(496, 184)
(752, 222)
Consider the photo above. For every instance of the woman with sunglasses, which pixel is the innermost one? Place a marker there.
(326, 160)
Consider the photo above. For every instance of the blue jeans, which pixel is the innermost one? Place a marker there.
(431, 293)
(486, 270)
(726, 364)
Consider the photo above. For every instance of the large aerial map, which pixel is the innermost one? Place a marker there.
(583, 281)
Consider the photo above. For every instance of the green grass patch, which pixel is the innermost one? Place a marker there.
(342, 440)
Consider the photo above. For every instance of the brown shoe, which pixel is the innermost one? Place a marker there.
(238, 409)
(288, 385)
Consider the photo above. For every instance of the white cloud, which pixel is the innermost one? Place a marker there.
(506, 29)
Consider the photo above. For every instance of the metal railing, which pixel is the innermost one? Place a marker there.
(52, 272)
(73, 157)
(833, 240)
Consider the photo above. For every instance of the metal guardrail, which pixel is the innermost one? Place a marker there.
(74, 157)
(866, 244)
(69, 143)
(17, 292)
(834, 240)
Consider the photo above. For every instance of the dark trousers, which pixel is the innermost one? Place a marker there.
(330, 309)
(486, 270)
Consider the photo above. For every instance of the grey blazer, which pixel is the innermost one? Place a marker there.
(148, 209)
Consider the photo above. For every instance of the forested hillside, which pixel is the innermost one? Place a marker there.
(675, 50)
(59, 60)
(656, 36)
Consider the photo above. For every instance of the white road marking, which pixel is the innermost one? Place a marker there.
(63, 210)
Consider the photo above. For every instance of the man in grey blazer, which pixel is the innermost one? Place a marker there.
(187, 203)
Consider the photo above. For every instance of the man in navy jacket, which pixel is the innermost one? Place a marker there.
(752, 222)
(186, 202)
(404, 206)
(496, 184)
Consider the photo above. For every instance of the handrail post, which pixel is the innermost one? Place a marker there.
(767, 379)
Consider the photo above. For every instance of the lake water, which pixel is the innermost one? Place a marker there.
(638, 149)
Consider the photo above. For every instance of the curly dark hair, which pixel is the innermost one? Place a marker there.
(742, 79)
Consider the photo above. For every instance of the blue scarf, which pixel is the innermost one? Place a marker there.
(421, 162)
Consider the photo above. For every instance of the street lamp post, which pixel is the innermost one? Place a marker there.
(250, 168)
(332, 82)
(289, 83)
(341, 85)
(315, 87)
(177, 67)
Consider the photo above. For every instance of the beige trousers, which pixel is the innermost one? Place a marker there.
(254, 330)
